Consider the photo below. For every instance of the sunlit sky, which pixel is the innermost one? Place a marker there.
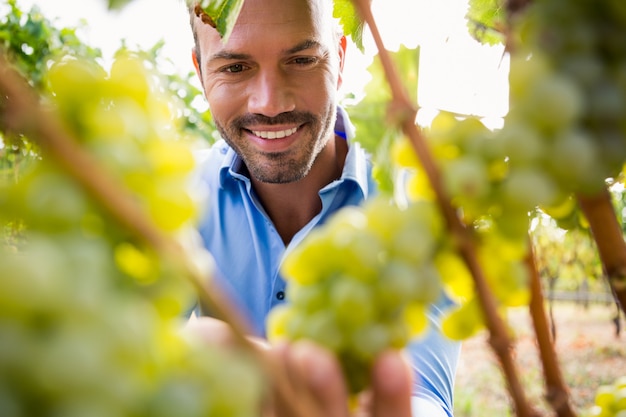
(456, 73)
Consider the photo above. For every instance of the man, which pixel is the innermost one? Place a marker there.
(284, 166)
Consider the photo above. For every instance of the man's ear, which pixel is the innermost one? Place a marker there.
(343, 44)
(196, 65)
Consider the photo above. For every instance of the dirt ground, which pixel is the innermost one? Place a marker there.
(589, 352)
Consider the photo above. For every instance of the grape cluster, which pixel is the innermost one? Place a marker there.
(609, 401)
(564, 134)
(568, 93)
(362, 283)
(90, 317)
(492, 201)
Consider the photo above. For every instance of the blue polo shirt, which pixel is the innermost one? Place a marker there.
(248, 250)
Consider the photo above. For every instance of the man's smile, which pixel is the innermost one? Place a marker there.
(278, 134)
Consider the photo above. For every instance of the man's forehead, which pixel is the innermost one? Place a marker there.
(294, 20)
(318, 9)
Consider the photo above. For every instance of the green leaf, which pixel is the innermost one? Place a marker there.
(351, 23)
(485, 20)
(367, 114)
(224, 13)
(117, 4)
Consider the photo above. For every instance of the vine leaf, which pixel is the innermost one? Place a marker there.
(117, 4)
(224, 13)
(374, 136)
(350, 21)
(485, 19)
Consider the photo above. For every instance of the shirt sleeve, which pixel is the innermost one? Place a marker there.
(434, 359)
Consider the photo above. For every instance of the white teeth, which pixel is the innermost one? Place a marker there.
(275, 135)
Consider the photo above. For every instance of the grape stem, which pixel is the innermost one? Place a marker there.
(607, 233)
(403, 112)
(557, 393)
(21, 112)
(514, 6)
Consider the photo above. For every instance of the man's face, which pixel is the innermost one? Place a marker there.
(272, 87)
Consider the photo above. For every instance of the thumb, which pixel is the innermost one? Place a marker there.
(392, 382)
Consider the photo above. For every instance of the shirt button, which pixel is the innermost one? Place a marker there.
(280, 295)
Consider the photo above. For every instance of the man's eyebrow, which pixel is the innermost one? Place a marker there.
(226, 55)
(236, 56)
(302, 46)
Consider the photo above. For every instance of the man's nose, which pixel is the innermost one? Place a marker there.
(272, 93)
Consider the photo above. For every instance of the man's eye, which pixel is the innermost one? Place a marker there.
(305, 60)
(234, 68)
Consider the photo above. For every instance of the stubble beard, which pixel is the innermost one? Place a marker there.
(280, 167)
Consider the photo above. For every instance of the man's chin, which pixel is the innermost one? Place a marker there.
(283, 175)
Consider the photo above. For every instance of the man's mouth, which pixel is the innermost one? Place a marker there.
(278, 134)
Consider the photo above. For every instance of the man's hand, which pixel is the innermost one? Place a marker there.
(313, 373)
(316, 372)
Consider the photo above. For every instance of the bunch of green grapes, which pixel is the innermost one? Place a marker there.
(568, 92)
(609, 401)
(564, 134)
(492, 201)
(90, 317)
(362, 283)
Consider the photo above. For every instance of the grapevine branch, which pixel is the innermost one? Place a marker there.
(607, 233)
(557, 393)
(403, 112)
(20, 111)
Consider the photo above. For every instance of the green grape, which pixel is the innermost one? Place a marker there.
(561, 209)
(522, 143)
(605, 396)
(455, 276)
(584, 68)
(619, 401)
(575, 161)
(553, 103)
(307, 264)
(525, 188)
(524, 70)
(606, 102)
(309, 298)
(403, 155)
(322, 327)
(466, 178)
(464, 321)
(609, 400)
(351, 302)
(415, 315)
(128, 78)
(73, 81)
(368, 340)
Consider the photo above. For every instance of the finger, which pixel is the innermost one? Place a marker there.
(322, 377)
(210, 330)
(216, 332)
(391, 386)
(287, 383)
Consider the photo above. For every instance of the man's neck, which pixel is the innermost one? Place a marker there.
(291, 206)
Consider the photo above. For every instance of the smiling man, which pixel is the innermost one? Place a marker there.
(286, 162)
